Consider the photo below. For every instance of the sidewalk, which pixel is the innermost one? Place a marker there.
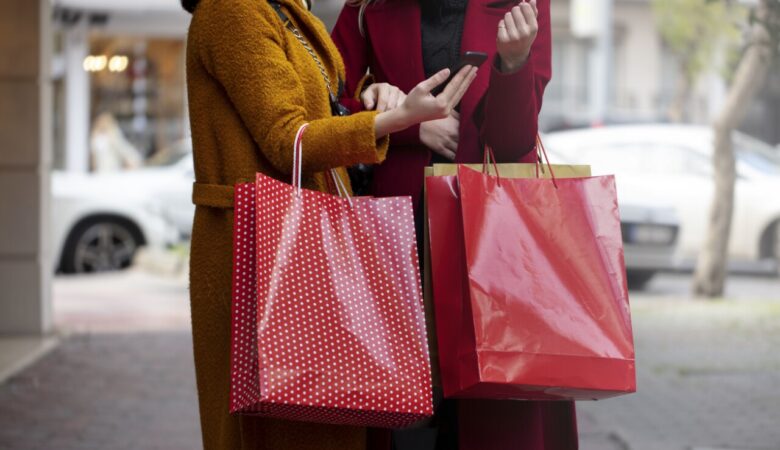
(708, 375)
(105, 391)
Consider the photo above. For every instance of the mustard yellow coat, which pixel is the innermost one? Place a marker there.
(251, 85)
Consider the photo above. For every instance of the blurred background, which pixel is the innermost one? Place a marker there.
(95, 216)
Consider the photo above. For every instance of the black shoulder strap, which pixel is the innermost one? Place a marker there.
(278, 8)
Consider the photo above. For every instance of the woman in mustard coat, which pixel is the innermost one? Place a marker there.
(251, 85)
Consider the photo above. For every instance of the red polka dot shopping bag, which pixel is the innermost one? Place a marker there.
(327, 314)
(529, 285)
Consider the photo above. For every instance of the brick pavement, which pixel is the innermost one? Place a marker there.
(105, 391)
(708, 380)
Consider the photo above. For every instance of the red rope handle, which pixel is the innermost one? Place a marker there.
(487, 158)
(540, 146)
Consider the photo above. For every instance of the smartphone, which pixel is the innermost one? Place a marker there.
(475, 59)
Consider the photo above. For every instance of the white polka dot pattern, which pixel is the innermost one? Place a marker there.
(333, 331)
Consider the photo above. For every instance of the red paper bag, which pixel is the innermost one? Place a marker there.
(530, 299)
(328, 323)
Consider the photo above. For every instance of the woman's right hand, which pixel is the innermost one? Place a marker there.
(441, 136)
(421, 106)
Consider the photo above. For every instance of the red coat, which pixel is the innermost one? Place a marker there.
(500, 110)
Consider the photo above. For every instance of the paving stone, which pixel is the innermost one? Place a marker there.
(105, 392)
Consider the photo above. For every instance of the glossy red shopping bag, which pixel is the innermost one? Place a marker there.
(529, 287)
(328, 321)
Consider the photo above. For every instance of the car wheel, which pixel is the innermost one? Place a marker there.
(776, 247)
(100, 245)
(638, 279)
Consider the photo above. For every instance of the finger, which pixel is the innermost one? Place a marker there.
(528, 14)
(428, 85)
(536, 8)
(511, 27)
(454, 85)
(451, 145)
(519, 16)
(381, 103)
(369, 98)
(449, 154)
(455, 115)
(464, 86)
(503, 34)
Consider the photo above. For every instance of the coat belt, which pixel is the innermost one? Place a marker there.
(212, 195)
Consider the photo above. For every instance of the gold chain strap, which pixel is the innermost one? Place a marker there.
(313, 54)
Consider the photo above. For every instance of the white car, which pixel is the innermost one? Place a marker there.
(100, 220)
(671, 165)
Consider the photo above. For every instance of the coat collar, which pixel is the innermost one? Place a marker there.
(394, 29)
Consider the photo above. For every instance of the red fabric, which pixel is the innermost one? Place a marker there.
(327, 314)
(537, 314)
(500, 110)
(392, 49)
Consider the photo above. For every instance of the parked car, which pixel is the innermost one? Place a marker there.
(171, 173)
(671, 165)
(99, 221)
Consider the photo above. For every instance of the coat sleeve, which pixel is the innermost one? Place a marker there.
(243, 50)
(355, 50)
(508, 114)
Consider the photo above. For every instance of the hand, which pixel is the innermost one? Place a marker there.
(441, 136)
(383, 96)
(421, 106)
(516, 33)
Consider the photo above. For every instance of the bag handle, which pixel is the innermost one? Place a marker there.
(540, 150)
(490, 158)
(297, 169)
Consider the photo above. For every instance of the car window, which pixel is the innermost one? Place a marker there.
(756, 154)
(680, 160)
(643, 157)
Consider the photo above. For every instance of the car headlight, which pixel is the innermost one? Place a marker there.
(648, 233)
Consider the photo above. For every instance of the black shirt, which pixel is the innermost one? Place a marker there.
(442, 30)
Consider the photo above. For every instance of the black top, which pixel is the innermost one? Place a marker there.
(442, 29)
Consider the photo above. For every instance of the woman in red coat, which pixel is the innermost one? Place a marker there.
(400, 43)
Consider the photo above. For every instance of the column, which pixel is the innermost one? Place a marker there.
(77, 105)
(25, 110)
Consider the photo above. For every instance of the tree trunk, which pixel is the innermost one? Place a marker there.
(712, 264)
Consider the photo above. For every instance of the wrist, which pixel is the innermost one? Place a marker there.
(512, 64)
(391, 121)
(399, 119)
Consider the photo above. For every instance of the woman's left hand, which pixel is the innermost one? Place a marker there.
(382, 96)
(516, 33)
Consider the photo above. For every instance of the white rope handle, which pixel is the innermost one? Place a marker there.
(340, 186)
(297, 168)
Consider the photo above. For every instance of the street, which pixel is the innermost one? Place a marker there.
(123, 376)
